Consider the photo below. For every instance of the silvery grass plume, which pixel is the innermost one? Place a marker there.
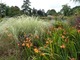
(22, 24)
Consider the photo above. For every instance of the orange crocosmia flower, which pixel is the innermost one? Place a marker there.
(27, 38)
(63, 46)
(28, 45)
(59, 27)
(24, 41)
(51, 41)
(18, 44)
(42, 54)
(48, 38)
(31, 44)
(63, 36)
(72, 59)
(45, 46)
(36, 50)
(47, 42)
(78, 31)
(37, 36)
(66, 40)
(64, 33)
(23, 44)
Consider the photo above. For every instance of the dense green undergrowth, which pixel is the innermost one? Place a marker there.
(29, 38)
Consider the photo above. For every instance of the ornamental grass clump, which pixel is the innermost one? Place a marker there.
(13, 32)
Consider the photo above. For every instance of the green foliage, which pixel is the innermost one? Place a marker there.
(29, 38)
(26, 8)
(66, 10)
(9, 11)
(13, 11)
(51, 12)
(12, 30)
(2, 10)
(41, 12)
(34, 12)
(76, 10)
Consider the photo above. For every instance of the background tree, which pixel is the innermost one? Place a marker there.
(26, 7)
(59, 13)
(2, 10)
(41, 12)
(14, 11)
(34, 12)
(7, 10)
(51, 12)
(76, 10)
(66, 10)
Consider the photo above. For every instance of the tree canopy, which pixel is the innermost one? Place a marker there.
(26, 7)
(51, 12)
(66, 10)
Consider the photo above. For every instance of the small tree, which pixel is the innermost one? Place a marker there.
(40, 12)
(26, 7)
(13, 11)
(51, 12)
(34, 12)
(2, 10)
(66, 10)
(76, 10)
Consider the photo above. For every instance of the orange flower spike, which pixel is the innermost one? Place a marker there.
(63, 46)
(60, 28)
(28, 41)
(27, 44)
(23, 44)
(78, 31)
(48, 39)
(36, 50)
(31, 44)
(37, 36)
(42, 54)
(64, 33)
(47, 42)
(18, 44)
(72, 59)
(51, 41)
(24, 41)
(27, 38)
(45, 46)
(63, 36)
(66, 40)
